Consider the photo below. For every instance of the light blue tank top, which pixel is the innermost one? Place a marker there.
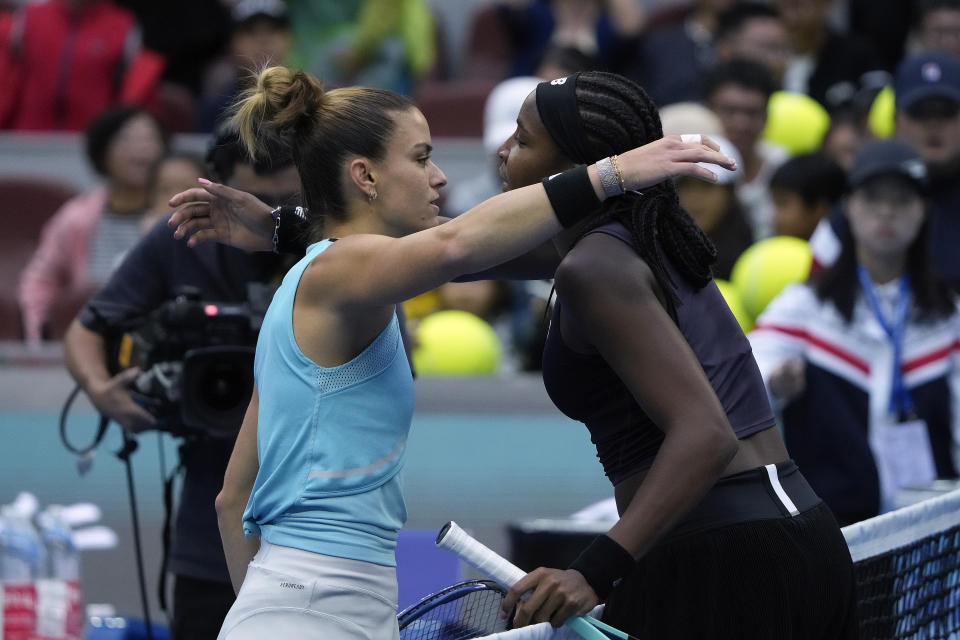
(331, 440)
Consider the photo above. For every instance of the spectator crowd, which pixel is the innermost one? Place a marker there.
(837, 236)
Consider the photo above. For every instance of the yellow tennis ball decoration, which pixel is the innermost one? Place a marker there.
(796, 122)
(455, 343)
(732, 297)
(766, 267)
(881, 118)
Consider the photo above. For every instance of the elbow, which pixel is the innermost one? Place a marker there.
(456, 256)
(718, 442)
(227, 504)
(724, 441)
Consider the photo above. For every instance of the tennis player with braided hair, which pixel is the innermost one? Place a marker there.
(719, 534)
(311, 502)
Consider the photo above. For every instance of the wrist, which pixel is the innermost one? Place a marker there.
(572, 194)
(602, 564)
(291, 229)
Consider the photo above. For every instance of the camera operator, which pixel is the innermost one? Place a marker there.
(153, 273)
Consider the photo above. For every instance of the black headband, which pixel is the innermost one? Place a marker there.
(557, 104)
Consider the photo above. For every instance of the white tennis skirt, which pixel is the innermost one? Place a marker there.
(290, 593)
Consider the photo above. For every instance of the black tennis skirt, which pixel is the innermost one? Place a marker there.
(761, 557)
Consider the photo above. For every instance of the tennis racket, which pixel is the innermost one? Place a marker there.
(586, 627)
(465, 610)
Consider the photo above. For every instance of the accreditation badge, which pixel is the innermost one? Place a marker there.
(904, 454)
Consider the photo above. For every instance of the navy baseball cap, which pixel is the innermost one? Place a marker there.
(926, 75)
(245, 11)
(888, 157)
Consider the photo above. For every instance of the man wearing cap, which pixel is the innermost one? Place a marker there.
(858, 360)
(927, 89)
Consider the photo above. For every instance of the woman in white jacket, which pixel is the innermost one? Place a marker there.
(863, 361)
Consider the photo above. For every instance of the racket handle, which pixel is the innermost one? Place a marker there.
(452, 538)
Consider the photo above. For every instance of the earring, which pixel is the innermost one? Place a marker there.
(372, 196)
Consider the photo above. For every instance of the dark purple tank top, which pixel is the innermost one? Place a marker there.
(584, 388)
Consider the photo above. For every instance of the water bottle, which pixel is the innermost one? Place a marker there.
(59, 609)
(21, 562)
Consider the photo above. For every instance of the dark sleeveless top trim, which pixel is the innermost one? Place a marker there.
(586, 389)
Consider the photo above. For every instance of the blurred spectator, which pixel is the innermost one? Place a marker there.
(260, 36)
(671, 61)
(604, 29)
(173, 173)
(716, 210)
(754, 31)
(739, 92)
(847, 134)
(937, 27)
(827, 65)
(388, 44)
(927, 89)
(64, 61)
(83, 242)
(805, 188)
(861, 360)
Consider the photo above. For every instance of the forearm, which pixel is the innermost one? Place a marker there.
(662, 500)
(85, 356)
(238, 549)
(231, 502)
(510, 225)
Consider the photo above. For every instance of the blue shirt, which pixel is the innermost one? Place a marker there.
(331, 440)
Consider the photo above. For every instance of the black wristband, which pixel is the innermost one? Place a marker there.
(603, 563)
(571, 195)
(291, 232)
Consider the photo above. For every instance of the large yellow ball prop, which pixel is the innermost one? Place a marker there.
(796, 122)
(732, 297)
(881, 118)
(766, 267)
(455, 343)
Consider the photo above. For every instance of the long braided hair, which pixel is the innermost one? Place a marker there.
(618, 115)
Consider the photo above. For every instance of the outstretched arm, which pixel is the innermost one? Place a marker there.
(377, 270)
(217, 213)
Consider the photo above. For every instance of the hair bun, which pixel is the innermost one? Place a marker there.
(282, 100)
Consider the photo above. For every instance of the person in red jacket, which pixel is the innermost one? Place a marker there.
(64, 61)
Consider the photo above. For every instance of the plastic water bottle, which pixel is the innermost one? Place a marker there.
(21, 562)
(59, 609)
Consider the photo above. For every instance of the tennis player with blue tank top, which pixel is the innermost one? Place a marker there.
(311, 501)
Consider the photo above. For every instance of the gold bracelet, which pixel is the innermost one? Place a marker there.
(616, 169)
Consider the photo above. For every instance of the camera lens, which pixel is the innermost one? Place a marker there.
(223, 386)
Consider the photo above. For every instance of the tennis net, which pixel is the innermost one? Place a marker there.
(907, 564)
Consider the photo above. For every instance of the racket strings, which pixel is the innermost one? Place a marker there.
(468, 610)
